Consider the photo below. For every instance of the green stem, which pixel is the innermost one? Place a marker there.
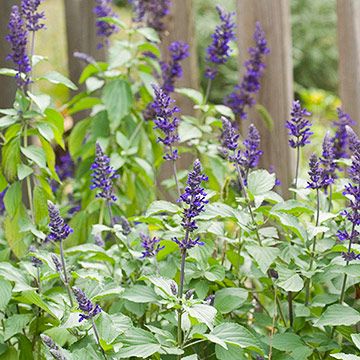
(330, 198)
(102, 210)
(136, 131)
(208, 89)
(28, 179)
(247, 200)
(175, 173)
(181, 291)
(312, 255)
(297, 169)
(66, 279)
(97, 337)
(112, 224)
(291, 310)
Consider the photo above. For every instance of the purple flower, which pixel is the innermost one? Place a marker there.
(99, 240)
(65, 167)
(229, 137)
(340, 139)
(327, 160)
(272, 171)
(172, 70)
(103, 175)
(242, 96)
(350, 256)
(194, 196)
(343, 235)
(151, 246)
(59, 231)
(18, 39)
(250, 156)
(353, 140)
(125, 226)
(104, 29)
(85, 305)
(2, 204)
(299, 126)
(57, 263)
(152, 12)
(29, 11)
(166, 121)
(316, 174)
(36, 262)
(209, 300)
(219, 51)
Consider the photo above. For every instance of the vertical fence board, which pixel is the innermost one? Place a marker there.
(348, 12)
(7, 84)
(81, 34)
(276, 92)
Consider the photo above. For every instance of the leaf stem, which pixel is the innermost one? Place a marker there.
(247, 200)
(66, 279)
(97, 337)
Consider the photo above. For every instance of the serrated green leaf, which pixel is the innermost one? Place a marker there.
(11, 158)
(77, 136)
(24, 171)
(56, 78)
(36, 154)
(161, 206)
(263, 255)
(229, 299)
(260, 182)
(5, 293)
(140, 294)
(15, 324)
(336, 315)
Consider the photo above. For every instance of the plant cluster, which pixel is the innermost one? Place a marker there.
(97, 263)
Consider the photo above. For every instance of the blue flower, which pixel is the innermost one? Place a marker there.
(103, 175)
(299, 126)
(59, 230)
(85, 305)
(29, 11)
(151, 246)
(340, 139)
(219, 51)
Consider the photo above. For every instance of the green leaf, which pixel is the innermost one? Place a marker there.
(56, 78)
(117, 98)
(5, 293)
(137, 343)
(46, 130)
(7, 120)
(13, 274)
(40, 204)
(343, 356)
(265, 116)
(263, 255)
(13, 198)
(36, 154)
(57, 121)
(8, 72)
(356, 340)
(289, 280)
(287, 341)
(15, 324)
(11, 158)
(25, 347)
(232, 352)
(42, 101)
(161, 206)
(202, 313)
(291, 222)
(229, 299)
(260, 182)
(23, 171)
(106, 328)
(196, 96)
(149, 33)
(234, 334)
(337, 314)
(188, 131)
(77, 136)
(32, 297)
(215, 273)
(140, 294)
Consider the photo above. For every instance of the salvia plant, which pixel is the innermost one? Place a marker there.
(103, 258)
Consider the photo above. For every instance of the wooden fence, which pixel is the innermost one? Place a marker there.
(277, 84)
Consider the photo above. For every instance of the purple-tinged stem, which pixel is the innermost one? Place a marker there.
(97, 337)
(297, 169)
(175, 173)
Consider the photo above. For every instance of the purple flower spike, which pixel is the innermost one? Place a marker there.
(327, 160)
(353, 139)
(242, 96)
(219, 51)
(299, 126)
(152, 12)
(166, 121)
(59, 231)
(172, 70)
(315, 173)
(151, 246)
(29, 11)
(103, 175)
(194, 196)
(85, 305)
(341, 138)
(104, 29)
(18, 39)
(229, 137)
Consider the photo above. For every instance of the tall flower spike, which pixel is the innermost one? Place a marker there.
(29, 10)
(341, 138)
(18, 39)
(243, 94)
(36, 262)
(219, 51)
(151, 246)
(315, 173)
(195, 197)
(103, 175)
(172, 70)
(152, 12)
(299, 126)
(353, 139)
(58, 229)
(89, 310)
(229, 137)
(327, 160)
(166, 121)
(104, 29)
